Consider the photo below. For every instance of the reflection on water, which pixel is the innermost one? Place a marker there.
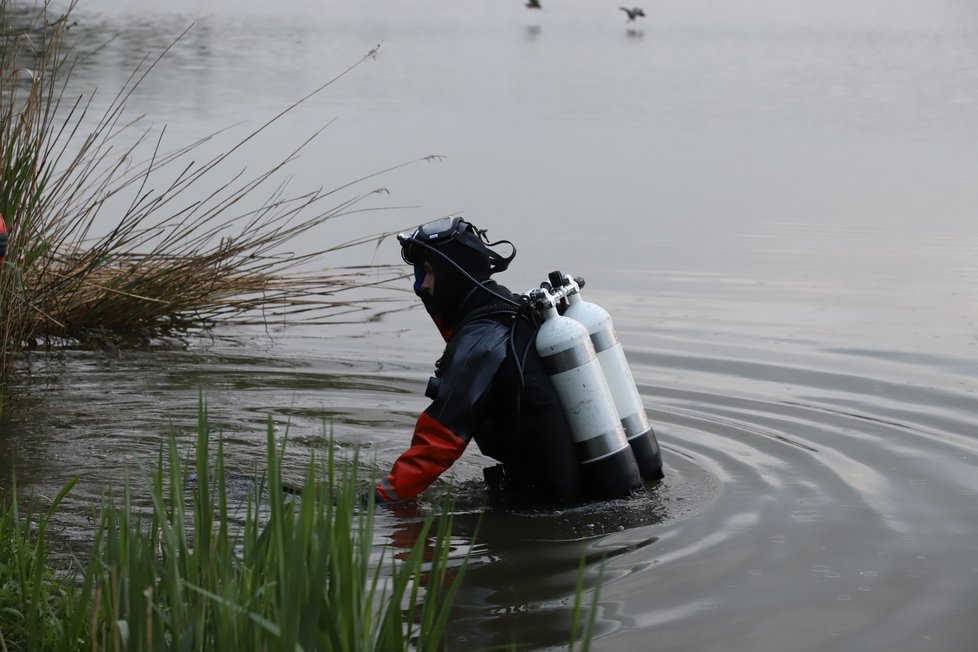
(563, 549)
(775, 200)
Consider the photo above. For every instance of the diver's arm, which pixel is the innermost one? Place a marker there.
(434, 448)
(444, 429)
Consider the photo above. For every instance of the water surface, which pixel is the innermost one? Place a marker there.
(774, 199)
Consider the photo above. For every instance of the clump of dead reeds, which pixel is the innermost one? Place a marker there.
(171, 263)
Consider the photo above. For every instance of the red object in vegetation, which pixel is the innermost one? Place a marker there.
(3, 239)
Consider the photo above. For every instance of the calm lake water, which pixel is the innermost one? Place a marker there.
(776, 199)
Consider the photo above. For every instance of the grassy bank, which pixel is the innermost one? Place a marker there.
(182, 246)
(277, 572)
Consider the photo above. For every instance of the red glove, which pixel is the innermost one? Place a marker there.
(434, 448)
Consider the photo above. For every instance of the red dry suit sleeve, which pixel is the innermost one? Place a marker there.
(433, 449)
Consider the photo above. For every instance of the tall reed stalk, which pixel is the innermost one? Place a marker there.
(186, 247)
(277, 572)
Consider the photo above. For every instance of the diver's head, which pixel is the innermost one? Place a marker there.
(459, 257)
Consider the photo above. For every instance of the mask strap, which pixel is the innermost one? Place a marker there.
(497, 262)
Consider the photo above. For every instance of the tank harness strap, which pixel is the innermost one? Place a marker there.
(489, 309)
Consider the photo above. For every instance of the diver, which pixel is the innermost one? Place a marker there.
(490, 384)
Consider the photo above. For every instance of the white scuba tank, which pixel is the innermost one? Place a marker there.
(618, 375)
(608, 465)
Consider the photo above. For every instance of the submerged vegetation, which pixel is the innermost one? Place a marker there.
(278, 571)
(184, 247)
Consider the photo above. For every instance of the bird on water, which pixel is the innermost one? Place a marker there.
(633, 13)
(533, 4)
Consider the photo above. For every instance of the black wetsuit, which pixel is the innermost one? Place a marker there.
(490, 387)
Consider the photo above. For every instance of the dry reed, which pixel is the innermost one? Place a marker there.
(171, 263)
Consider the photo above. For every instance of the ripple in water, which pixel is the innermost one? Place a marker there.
(842, 510)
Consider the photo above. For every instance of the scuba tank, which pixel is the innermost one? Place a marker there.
(611, 357)
(608, 465)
